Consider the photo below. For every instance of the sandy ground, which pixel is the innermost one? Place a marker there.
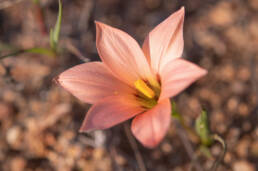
(39, 121)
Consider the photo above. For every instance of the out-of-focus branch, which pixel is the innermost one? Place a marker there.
(72, 49)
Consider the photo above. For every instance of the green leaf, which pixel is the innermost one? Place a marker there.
(42, 51)
(54, 33)
(202, 129)
(36, 1)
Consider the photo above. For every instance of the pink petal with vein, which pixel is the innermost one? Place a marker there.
(91, 82)
(177, 75)
(109, 112)
(151, 127)
(165, 42)
(121, 53)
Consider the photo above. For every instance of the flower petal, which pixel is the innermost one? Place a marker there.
(109, 112)
(121, 53)
(177, 75)
(165, 42)
(91, 82)
(151, 127)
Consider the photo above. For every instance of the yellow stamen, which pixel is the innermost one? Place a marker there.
(142, 87)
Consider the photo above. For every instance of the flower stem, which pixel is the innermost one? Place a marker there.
(188, 146)
(134, 146)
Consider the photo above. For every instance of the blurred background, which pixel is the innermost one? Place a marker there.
(39, 121)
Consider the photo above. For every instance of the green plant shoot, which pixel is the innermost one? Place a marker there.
(54, 33)
(202, 129)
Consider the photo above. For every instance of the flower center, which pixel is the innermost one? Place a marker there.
(148, 93)
(143, 88)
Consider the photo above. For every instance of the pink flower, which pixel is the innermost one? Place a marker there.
(132, 81)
